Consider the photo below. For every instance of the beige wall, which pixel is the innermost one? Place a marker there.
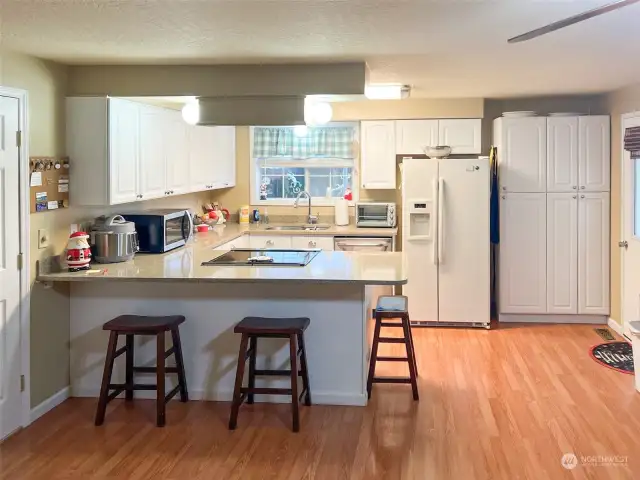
(621, 101)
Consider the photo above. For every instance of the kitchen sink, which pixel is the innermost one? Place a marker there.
(307, 228)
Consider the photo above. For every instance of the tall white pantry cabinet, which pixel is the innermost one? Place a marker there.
(554, 216)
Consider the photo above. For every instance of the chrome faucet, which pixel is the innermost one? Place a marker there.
(311, 219)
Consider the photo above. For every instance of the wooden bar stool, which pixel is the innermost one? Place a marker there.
(253, 328)
(130, 325)
(390, 307)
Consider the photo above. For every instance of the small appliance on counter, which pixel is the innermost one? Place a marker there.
(341, 212)
(160, 231)
(376, 214)
(113, 239)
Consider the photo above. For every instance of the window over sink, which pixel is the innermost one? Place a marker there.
(287, 160)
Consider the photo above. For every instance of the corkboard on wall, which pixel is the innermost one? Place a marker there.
(49, 183)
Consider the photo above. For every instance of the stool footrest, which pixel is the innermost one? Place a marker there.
(393, 359)
(390, 324)
(266, 391)
(172, 393)
(120, 351)
(115, 393)
(170, 352)
(154, 369)
(133, 386)
(391, 380)
(391, 340)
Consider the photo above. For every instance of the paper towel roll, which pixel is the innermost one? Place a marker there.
(342, 212)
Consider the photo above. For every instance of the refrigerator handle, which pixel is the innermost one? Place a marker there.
(440, 220)
(434, 225)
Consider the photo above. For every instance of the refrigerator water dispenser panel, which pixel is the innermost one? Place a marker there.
(420, 218)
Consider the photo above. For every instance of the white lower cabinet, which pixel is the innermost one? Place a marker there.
(593, 253)
(312, 241)
(562, 253)
(269, 241)
(240, 242)
(523, 253)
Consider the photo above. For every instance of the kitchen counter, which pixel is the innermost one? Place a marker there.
(333, 291)
(185, 264)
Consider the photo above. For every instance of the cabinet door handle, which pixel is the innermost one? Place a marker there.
(574, 187)
(312, 244)
(582, 187)
(581, 196)
(269, 243)
(504, 188)
(504, 197)
(575, 196)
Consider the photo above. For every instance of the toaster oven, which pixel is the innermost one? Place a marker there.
(376, 214)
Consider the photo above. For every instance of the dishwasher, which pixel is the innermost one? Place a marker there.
(368, 244)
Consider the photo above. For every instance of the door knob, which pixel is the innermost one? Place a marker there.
(623, 244)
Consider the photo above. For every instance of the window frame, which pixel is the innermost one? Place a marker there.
(318, 163)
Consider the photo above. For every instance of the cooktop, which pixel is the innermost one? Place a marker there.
(264, 257)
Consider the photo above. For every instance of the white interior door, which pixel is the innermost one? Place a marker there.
(10, 396)
(463, 241)
(630, 255)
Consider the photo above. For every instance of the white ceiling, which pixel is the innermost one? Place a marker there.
(446, 48)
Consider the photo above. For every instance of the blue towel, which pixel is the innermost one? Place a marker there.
(392, 304)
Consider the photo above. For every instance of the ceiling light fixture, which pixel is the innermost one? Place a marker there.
(386, 91)
(317, 113)
(191, 112)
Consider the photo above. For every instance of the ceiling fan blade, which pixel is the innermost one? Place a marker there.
(571, 20)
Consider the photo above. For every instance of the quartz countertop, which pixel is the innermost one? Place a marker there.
(185, 264)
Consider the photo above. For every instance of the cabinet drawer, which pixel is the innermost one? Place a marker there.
(269, 241)
(312, 241)
(240, 242)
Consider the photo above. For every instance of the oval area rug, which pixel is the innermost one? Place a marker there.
(615, 355)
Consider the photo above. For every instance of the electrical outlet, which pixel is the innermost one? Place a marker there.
(43, 238)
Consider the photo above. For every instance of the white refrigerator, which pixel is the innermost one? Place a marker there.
(445, 235)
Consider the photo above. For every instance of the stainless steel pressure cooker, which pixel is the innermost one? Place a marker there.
(113, 239)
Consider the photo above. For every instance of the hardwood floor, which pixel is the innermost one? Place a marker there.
(500, 404)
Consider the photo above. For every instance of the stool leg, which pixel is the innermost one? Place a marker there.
(182, 377)
(293, 354)
(129, 368)
(235, 405)
(374, 356)
(253, 346)
(106, 378)
(305, 371)
(160, 377)
(410, 356)
(413, 345)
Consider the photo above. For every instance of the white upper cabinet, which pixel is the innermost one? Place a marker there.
(178, 167)
(562, 154)
(562, 253)
(153, 144)
(464, 136)
(378, 154)
(224, 161)
(594, 153)
(523, 257)
(522, 153)
(413, 135)
(124, 154)
(593, 253)
(201, 152)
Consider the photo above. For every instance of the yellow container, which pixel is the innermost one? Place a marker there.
(243, 214)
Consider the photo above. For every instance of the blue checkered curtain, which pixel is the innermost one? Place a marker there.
(329, 142)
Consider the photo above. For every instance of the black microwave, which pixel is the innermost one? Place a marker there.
(160, 231)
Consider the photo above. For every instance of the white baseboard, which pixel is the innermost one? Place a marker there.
(615, 326)
(544, 318)
(318, 398)
(49, 404)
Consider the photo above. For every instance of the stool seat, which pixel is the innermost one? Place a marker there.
(138, 323)
(396, 304)
(260, 325)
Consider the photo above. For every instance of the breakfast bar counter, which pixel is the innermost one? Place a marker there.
(330, 290)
